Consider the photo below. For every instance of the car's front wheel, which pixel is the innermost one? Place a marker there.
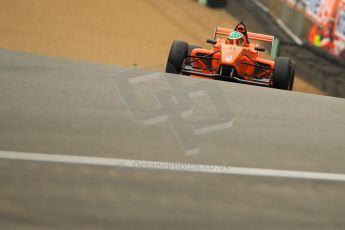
(177, 55)
(283, 74)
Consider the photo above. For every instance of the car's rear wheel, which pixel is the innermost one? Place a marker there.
(177, 55)
(283, 74)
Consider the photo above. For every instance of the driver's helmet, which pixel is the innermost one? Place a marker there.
(236, 37)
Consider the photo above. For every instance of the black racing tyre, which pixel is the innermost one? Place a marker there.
(283, 74)
(293, 67)
(177, 55)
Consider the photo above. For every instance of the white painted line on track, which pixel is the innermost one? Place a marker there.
(282, 25)
(294, 37)
(170, 166)
(262, 6)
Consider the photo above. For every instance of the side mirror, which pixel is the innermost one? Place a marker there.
(211, 41)
(260, 49)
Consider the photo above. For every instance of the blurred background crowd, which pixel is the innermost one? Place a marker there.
(320, 22)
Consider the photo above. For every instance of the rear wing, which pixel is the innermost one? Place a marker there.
(252, 36)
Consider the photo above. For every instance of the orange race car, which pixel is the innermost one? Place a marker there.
(233, 57)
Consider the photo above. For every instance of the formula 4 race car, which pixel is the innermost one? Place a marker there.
(233, 57)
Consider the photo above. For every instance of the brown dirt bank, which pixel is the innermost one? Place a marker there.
(113, 32)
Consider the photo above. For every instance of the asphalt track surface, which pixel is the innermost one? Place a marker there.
(62, 107)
